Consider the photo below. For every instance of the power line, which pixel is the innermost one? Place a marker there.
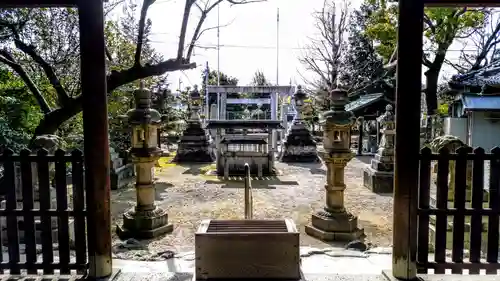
(214, 46)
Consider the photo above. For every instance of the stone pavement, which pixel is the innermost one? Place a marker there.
(317, 264)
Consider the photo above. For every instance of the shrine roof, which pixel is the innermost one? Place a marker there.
(244, 124)
(363, 101)
(481, 103)
(482, 78)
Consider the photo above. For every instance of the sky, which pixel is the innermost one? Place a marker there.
(248, 42)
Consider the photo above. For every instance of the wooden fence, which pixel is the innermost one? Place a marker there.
(463, 215)
(30, 220)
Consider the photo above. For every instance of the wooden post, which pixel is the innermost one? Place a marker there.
(360, 136)
(96, 146)
(408, 88)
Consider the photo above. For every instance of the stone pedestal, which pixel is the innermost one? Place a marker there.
(194, 145)
(379, 176)
(145, 220)
(142, 224)
(334, 222)
(120, 174)
(331, 226)
(299, 145)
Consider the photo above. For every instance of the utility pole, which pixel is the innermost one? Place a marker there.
(218, 61)
(277, 45)
(207, 98)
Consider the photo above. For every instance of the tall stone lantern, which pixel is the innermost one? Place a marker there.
(145, 220)
(299, 145)
(334, 222)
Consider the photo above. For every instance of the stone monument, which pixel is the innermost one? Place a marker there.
(299, 145)
(145, 220)
(334, 222)
(120, 174)
(194, 145)
(379, 176)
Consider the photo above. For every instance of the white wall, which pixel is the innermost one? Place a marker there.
(456, 127)
(485, 132)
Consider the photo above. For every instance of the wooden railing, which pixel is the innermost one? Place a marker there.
(30, 220)
(463, 218)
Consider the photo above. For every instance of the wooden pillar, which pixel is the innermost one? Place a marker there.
(408, 88)
(360, 135)
(96, 146)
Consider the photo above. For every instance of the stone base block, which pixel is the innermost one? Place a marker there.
(299, 154)
(341, 226)
(377, 181)
(193, 154)
(122, 177)
(144, 225)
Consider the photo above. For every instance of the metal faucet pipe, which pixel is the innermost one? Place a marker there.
(248, 194)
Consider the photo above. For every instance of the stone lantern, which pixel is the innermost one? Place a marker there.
(299, 145)
(145, 220)
(194, 144)
(334, 222)
(195, 99)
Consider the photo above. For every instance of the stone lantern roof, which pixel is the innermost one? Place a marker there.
(299, 93)
(338, 115)
(195, 93)
(143, 113)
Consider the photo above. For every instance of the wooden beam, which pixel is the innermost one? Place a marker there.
(407, 143)
(461, 3)
(41, 3)
(249, 89)
(37, 3)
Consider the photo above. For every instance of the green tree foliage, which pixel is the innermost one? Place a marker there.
(19, 113)
(442, 27)
(260, 79)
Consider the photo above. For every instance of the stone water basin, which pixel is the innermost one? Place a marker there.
(247, 249)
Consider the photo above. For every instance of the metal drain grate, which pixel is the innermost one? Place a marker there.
(247, 226)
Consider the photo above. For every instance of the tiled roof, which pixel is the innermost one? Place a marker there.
(363, 101)
(488, 76)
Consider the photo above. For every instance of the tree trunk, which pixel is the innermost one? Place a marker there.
(432, 77)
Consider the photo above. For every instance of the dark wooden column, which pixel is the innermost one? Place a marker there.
(360, 135)
(408, 88)
(96, 144)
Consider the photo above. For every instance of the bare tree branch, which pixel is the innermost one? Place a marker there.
(185, 20)
(9, 60)
(204, 12)
(140, 34)
(62, 95)
(324, 53)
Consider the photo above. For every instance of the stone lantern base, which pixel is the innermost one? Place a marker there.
(378, 181)
(379, 176)
(194, 145)
(334, 226)
(144, 224)
(299, 146)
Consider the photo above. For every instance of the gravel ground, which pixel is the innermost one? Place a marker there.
(190, 197)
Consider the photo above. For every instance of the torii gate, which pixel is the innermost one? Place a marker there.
(407, 146)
